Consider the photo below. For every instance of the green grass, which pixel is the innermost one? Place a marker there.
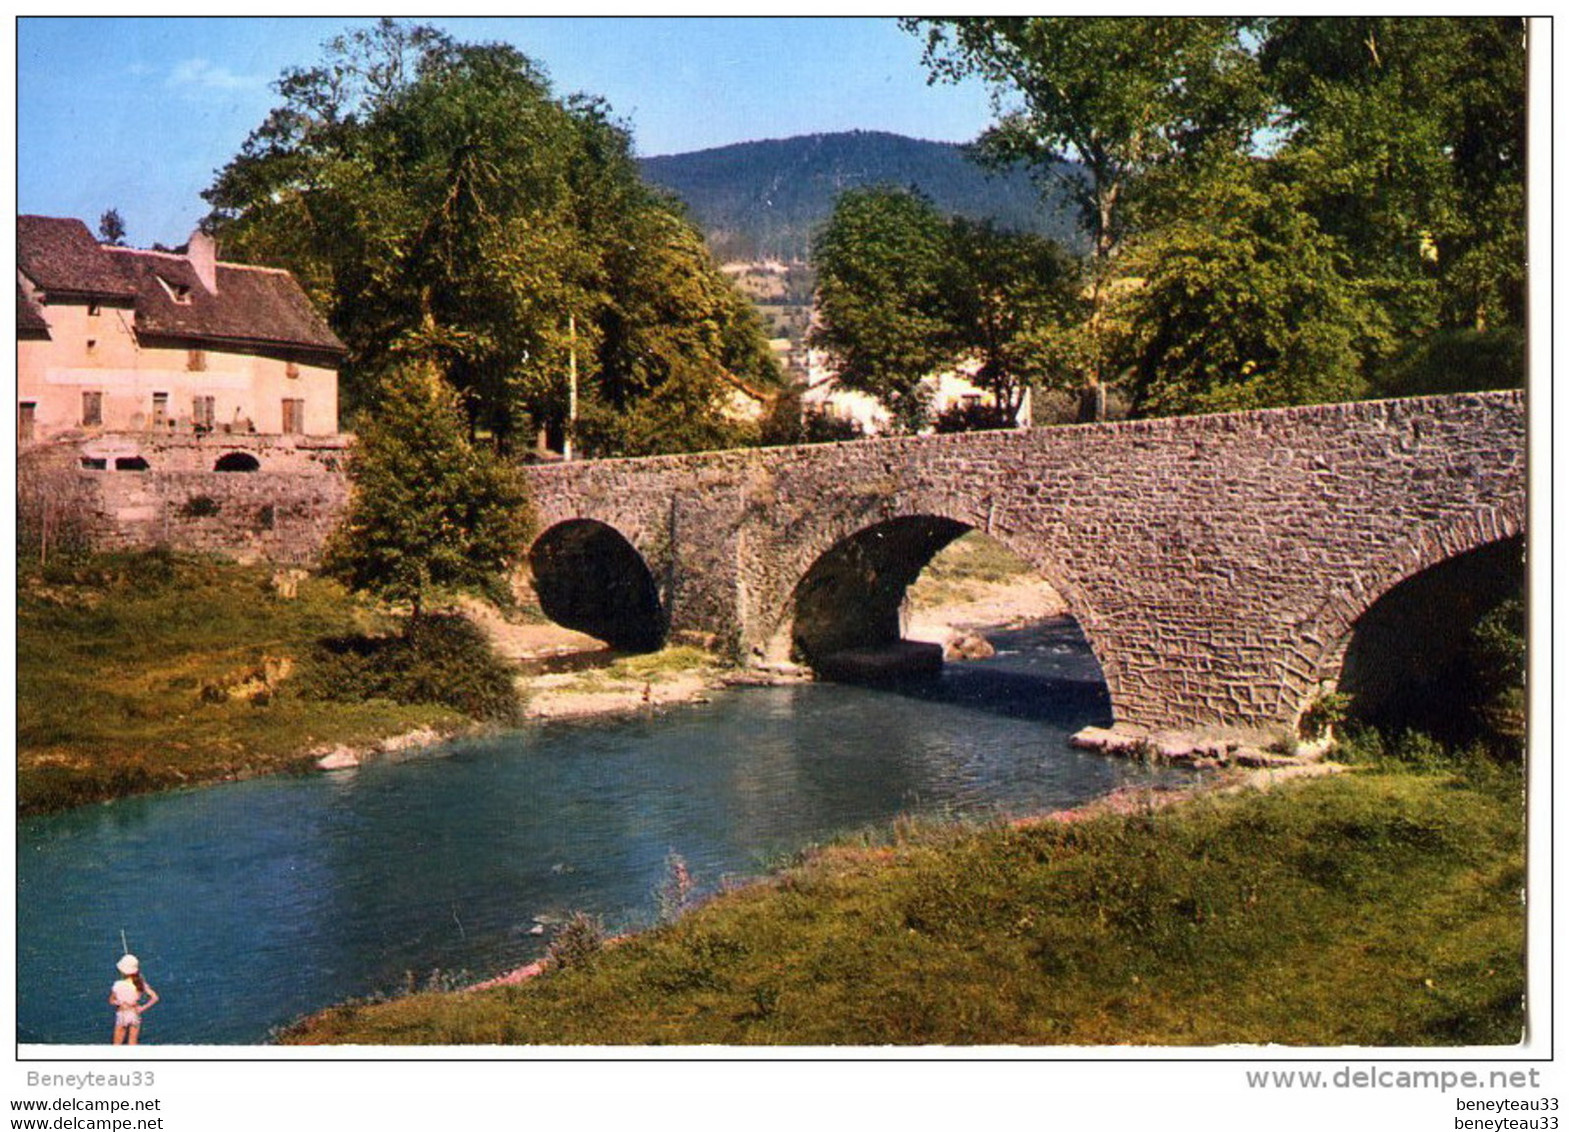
(113, 655)
(1380, 908)
(963, 569)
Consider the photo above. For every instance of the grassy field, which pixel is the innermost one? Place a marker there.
(1378, 908)
(964, 569)
(125, 666)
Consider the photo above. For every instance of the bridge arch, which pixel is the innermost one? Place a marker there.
(589, 577)
(851, 577)
(1473, 558)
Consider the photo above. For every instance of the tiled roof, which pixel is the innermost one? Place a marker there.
(253, 305)
(28, 319)
(62, 257)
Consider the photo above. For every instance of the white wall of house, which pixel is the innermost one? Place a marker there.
(947, 390)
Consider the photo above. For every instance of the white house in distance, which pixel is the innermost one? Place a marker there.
(115, 340)
(948, 389)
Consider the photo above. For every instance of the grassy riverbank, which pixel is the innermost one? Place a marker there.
(1376, 908)
(146, 672)
(150, 671)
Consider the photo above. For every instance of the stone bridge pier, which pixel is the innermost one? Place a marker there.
(1219, 566)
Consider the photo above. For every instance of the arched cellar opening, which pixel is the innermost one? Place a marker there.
(588, 577)
(1442, 652)
(237, 462)
(934, 608)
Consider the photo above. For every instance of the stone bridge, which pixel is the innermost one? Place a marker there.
(1219, 566)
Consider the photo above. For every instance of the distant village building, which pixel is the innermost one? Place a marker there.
(118, 342)
(947, 390)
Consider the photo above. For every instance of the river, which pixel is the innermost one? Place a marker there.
(255, 902)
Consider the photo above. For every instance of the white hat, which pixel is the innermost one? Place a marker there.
(128, 965)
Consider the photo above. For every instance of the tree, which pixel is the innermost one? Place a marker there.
(671, 336)
(1408, 137)
(1010, 299)
(111, 229)
(444, 207)
(429, 508)
(1280, 208)
(1241, 302)
(1119, 96)
(1407, 140)
(904, 291)
(879, 261)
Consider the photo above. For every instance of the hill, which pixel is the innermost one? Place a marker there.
(763, 199)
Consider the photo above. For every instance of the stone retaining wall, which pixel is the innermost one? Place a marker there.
(282, 512)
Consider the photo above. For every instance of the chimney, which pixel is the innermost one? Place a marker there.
(202, 251)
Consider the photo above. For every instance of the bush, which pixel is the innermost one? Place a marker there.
(438, 659)
(579, 942)
(1457, 361)
(973, 417)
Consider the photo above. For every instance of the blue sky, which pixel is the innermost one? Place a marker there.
(136, 114)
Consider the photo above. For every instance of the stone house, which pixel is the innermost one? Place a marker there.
(118, 347)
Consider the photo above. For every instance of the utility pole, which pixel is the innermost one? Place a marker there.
(566, 440)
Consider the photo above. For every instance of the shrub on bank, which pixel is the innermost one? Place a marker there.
(437, 659)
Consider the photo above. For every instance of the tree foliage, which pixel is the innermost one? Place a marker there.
(1243, 303)
(1120, 96)
(879, 262)
(442, 205)
(904, 291)
(429, 508)
(1280, 209)
(111, 228)
(1409, 137)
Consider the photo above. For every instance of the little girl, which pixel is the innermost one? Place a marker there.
(126, 998)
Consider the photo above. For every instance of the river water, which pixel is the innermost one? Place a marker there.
(253, 903)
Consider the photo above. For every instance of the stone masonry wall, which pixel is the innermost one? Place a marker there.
(282, 512)
(1215, 563)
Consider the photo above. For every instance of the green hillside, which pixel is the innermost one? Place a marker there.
(763, 199)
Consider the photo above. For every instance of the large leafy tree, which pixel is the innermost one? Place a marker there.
(1118, 97)
(1010, 302)
(1268, 191)
(879, 262)
(904, 291)
(1242, 302)
(1407, 139)
(443, 206)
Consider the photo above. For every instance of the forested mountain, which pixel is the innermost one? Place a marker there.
(764, 199)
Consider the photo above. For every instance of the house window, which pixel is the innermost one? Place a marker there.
(92, 347)
(202, 412)
(93, 310)
(291, 369)
(160, 409)
(293, 415)
(196, 360)
(130, 464)
(26, 420)
(92, 408)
